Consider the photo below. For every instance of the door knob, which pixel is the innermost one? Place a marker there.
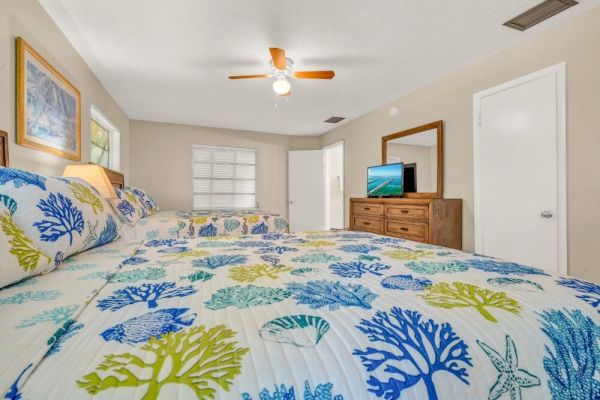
(547, 214)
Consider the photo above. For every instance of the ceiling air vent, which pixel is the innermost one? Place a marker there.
(334, 120)
(539, 13)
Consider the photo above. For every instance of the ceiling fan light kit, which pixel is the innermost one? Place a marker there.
(282, 70)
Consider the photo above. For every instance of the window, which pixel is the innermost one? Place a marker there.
(104, 141)
(224, 177)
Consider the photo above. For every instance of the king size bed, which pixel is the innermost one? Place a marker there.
(311, 315)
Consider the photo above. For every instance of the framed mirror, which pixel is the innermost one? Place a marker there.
(421, 149)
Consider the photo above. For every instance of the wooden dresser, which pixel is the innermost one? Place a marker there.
(434, 221)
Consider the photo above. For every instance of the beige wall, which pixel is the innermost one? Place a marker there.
(576, 41)
(28, 19)
(161, 161)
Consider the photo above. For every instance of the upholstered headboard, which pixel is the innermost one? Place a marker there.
(3, 149)
(116, 178)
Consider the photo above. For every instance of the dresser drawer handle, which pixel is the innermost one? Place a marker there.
(366, 223)
(404, 229)
(366, 208)
(404, 211)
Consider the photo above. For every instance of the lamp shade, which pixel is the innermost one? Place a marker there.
(94, 175)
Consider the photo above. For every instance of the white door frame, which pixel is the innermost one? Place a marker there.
(559, 71)
(327, 192)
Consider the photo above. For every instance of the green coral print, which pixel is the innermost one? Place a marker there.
(96, 275)
(202, 359)
(199, 276)
(231, 224)
(281, 224)
(251, 273)
(317, 257)
(136, 275)
(87, 196)
(407, 254)
(56, 315)
(511, 378)
(21, 246)
(24, 297)
(245, 297)
(79, 267)
(466, 295)
(430, 268)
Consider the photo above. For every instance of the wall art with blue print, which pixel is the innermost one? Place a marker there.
(48, 106)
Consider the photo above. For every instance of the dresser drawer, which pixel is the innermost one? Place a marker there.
(375, 210)
(416, 213)
(368, 224)
(407, 230)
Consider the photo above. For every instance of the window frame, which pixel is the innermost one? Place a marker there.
(114, 138)
(256, 178)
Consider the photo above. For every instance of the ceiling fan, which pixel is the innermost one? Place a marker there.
(282, 70)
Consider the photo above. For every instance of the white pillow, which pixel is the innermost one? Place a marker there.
(128, 206)
(148, 203)
(61, 216)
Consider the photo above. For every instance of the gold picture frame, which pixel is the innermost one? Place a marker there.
(48, 106)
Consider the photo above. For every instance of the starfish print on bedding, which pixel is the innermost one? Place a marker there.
(511, 378)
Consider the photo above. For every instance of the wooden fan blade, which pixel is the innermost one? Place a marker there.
(250, 76)
(314, 74)
(278, 56)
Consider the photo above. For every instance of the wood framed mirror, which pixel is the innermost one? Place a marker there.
(421, 149)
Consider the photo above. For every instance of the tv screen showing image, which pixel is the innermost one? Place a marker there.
(385, 180)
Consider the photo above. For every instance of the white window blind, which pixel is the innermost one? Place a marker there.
(224, 177)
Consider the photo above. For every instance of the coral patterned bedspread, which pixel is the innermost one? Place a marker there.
(190, 224)
(318, 316)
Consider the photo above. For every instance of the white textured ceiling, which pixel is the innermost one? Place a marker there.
(168, 61)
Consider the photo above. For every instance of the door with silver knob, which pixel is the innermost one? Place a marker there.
(519, 171)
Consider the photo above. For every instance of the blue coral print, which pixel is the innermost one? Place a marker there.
(148, 293)
(20, 178)
(153, 324)
(409, 350)
(323, 391)
(63, 218)
(317, 294)
(573, 360)
(356, 269)
(590, 292)
(359, 248)
(213, 262)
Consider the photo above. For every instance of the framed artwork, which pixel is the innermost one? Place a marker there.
(3, 149)
(48, 106)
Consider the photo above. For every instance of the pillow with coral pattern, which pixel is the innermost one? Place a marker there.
(128, 206)
(60, 216)
(150, 207)
(20, 256)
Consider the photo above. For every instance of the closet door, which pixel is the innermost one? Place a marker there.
(520, 191)
(306, 190)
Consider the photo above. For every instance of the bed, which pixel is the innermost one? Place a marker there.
(200, 223)
(314, 315)
(190, 224)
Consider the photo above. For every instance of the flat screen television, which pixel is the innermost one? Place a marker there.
(385, 180)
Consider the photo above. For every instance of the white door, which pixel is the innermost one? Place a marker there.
(334, 186)
(306, 190)
(520, 190)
